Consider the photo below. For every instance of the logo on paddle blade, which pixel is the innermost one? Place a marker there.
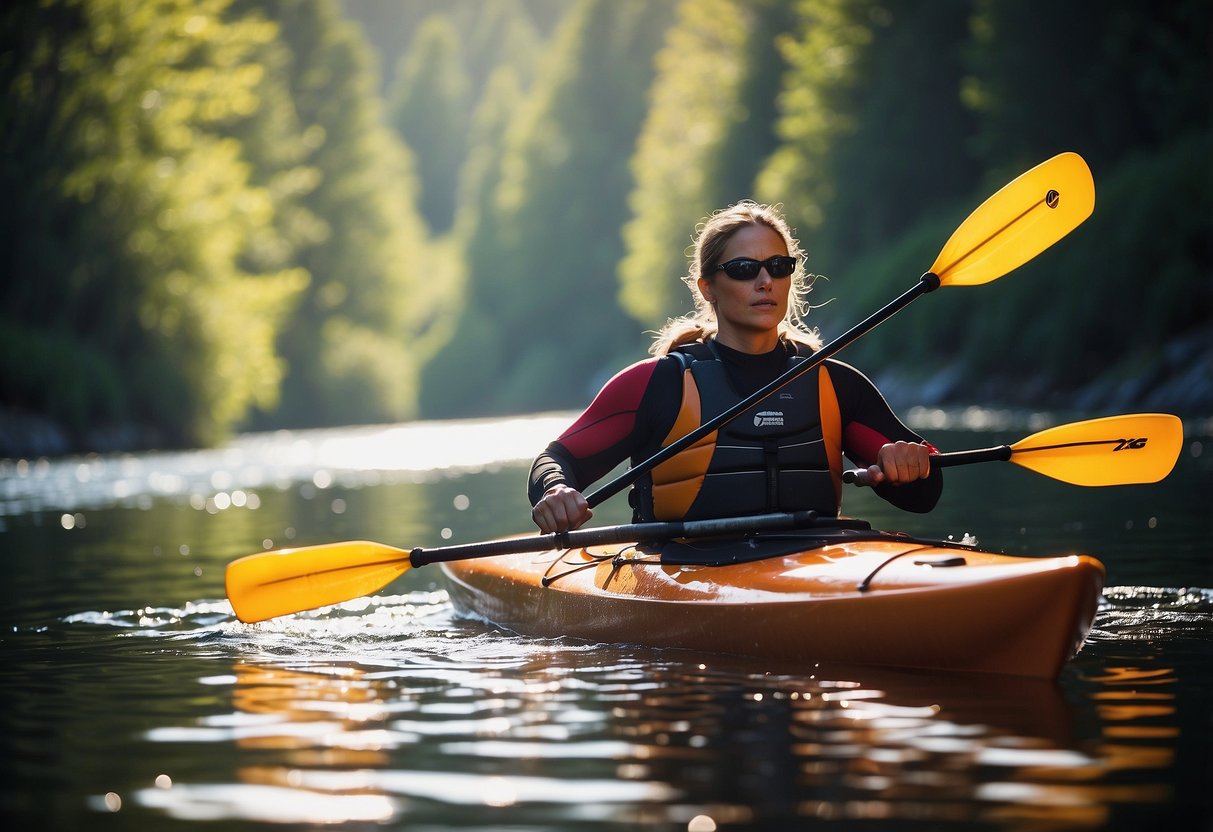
(1130, 444)
(1052, 198)
(768, 418)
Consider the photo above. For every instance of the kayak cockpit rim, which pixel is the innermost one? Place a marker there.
(728, 551)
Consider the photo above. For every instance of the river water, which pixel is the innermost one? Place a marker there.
(133, 699)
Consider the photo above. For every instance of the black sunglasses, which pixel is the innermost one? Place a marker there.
(747, 268)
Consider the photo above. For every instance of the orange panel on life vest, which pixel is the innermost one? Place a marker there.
(676, 482)
(831, 428)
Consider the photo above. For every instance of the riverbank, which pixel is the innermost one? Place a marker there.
(1180, 381)
(1175, 378)
(28, 435)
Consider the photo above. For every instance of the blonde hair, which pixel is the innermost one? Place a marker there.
(711, 237)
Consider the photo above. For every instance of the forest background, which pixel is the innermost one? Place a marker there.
(225, 215)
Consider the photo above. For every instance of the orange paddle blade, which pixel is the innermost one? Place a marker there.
(1029, 214)
(1116, 450)
(269, 584)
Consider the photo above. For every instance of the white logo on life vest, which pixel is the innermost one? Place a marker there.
(768, 418)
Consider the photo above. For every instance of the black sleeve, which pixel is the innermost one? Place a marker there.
(552, 467)
(867, 423)
(639, 403)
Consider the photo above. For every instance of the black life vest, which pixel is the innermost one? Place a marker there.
(782, 454)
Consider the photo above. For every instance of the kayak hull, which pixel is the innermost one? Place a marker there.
(889, 602)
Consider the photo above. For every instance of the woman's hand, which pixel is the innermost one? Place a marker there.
(898, 463)
(561, 509)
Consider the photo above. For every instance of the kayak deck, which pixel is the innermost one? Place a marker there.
(874, 600)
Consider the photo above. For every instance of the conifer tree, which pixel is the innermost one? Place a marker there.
(132, 296)
(542, 259)
(873, 128)
(430, 105)
(353, 346)
(709, 129)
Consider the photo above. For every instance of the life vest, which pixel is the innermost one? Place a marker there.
(782, 454)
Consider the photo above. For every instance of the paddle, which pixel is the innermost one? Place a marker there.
(1026, 216)
(1018, 222)
(1115, 450)
(269, 584)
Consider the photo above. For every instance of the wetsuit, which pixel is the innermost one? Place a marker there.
(634, 413)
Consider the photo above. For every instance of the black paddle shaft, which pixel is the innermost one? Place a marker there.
(927, 283)
(998, 453)
(626, 533)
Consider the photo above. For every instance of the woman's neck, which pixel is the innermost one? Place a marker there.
(780, 346)
(754, 343)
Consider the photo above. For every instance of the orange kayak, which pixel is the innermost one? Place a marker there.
(852, 596)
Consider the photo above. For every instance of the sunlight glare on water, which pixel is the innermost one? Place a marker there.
(225, 476)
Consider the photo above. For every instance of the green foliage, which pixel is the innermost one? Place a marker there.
(708, 129)
(453, 70)
(506, 34)
(1102, 305)
(1100, 76)
(430, 106)
(352, 347)
(546, 242)
(888, 119)
(211, 224)
(130, 210)
(493, 32)
(51, 373)
(1137, 274)
(459, 373)
(872, 125)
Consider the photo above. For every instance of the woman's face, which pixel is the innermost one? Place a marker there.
(748, 312)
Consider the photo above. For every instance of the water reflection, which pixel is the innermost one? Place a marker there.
(132, 691)
(452, 721)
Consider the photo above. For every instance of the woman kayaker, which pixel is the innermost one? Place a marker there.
(748, 283)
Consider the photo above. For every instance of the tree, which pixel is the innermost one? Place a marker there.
(489, 30)
(708, 130)
(353, 347)
(430, 106)
(542, 258)
(503, 53)
(1104, 77)
(873, 128)
(1127, 87)
(131, 295)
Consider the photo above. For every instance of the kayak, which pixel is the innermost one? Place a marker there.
(850, 595)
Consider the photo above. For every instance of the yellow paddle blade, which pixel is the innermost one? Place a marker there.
(1117, 450)
(1029, 214)
(269, 584)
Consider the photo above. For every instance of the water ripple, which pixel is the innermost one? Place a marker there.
(1133, 613)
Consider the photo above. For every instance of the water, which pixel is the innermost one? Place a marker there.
(133, 700)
